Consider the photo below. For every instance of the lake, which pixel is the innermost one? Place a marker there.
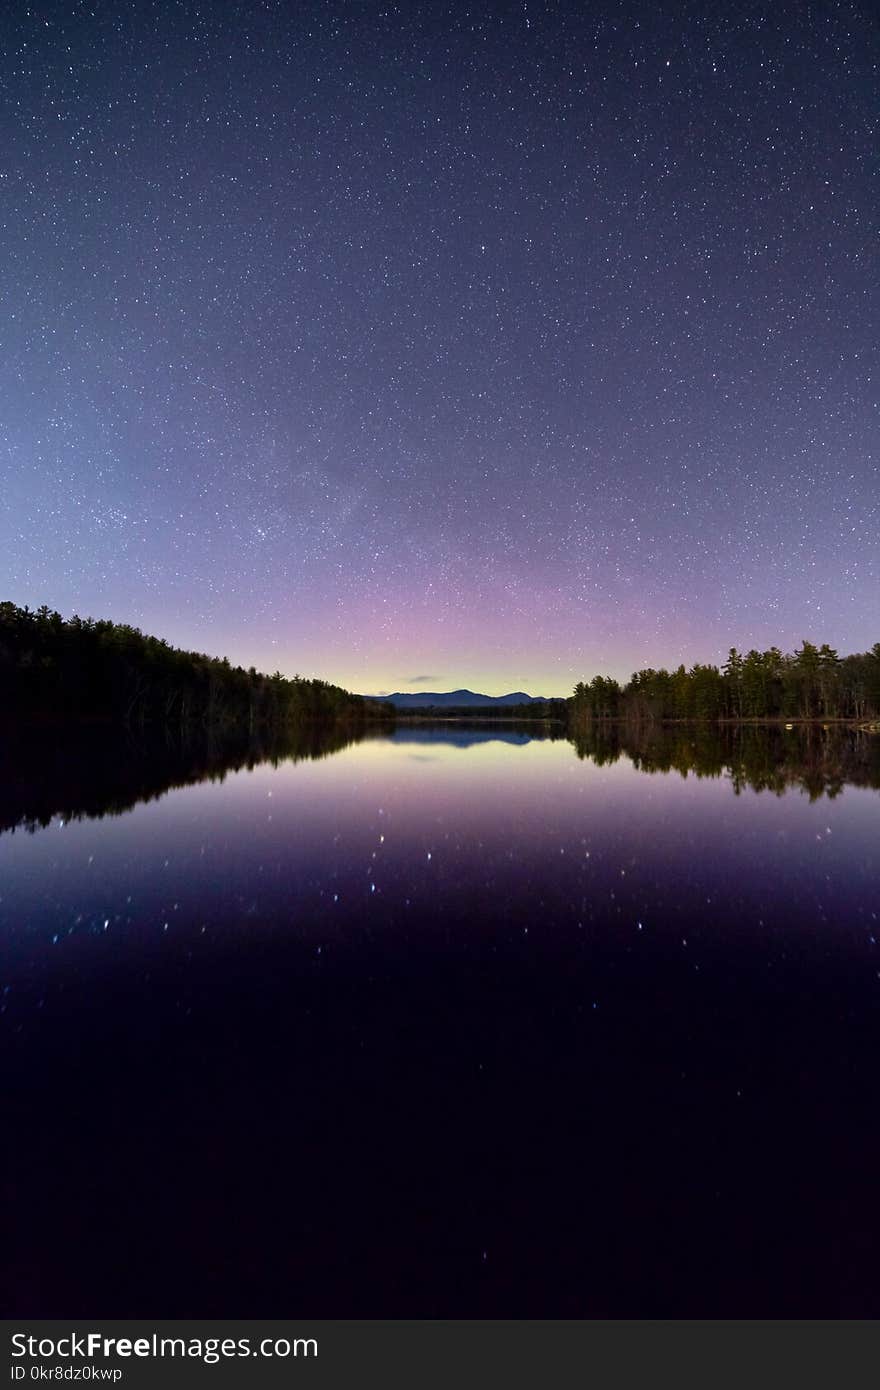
(451, 1021)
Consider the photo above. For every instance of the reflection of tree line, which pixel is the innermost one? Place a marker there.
(94, 772)
(820, 762)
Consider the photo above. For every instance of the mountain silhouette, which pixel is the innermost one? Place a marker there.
(423, 699)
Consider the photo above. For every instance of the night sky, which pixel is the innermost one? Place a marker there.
(442, 344)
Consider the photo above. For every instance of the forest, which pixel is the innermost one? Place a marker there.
(79, 669)
(54, 669)
(813, 683)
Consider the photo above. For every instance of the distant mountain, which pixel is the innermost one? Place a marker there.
(423, 699)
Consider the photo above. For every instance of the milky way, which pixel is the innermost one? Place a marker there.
(490, 345)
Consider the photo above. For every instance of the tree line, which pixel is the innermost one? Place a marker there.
(812, 683)
(80, 668)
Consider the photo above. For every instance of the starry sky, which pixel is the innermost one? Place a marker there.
(442, 344)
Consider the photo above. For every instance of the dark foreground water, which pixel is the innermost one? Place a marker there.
(454, 1022)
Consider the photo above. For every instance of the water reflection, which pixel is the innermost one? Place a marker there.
(72, 775)
(815, 760)
(460, 1021)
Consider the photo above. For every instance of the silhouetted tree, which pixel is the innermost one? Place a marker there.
(82, 669)
(812, 683)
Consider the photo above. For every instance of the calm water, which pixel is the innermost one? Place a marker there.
(458, 1021)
